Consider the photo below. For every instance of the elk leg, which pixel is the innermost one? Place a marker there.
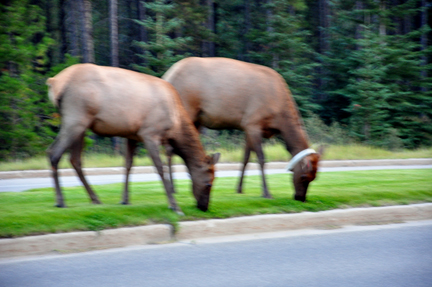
(254, 139)
(152, 148)
(63, 141)
(55, 153)
(169, 153)
(75, 160)
(245, 162)
(130, 150)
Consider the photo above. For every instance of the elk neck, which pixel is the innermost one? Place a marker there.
(187, 145)
(292, 129)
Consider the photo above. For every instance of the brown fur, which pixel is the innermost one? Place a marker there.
(221, 93)
(117, 102)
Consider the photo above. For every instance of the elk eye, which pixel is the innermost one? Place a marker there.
(208, 185)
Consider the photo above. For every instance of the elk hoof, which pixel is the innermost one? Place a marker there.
(202, 208)
(267, 196)
(176, 210)
(125, 203)
(301, 198)
(60, 205)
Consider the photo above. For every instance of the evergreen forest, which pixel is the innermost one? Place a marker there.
(364, 66)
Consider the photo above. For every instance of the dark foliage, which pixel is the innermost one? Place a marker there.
(364, 65)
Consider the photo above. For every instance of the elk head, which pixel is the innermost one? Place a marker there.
(202, 181)
(304, 171)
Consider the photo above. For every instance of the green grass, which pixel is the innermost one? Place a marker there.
(33, 212)
(272, 152)
(348, 152)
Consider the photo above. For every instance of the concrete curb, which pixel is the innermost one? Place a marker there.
(160, 233)
(86, 240)
(219, 166)
(283, 222)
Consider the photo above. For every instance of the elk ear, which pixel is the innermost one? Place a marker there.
(214, 158)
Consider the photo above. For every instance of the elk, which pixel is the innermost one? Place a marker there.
(118, 102)
(221, 93)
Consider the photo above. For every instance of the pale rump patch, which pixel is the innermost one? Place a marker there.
(172, 71)
(51, 94)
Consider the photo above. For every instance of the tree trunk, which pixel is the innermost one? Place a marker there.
(396, 19)
(269, 17)
(209, 46)
(114, 33)
(359, 29)
(211, 26)
(113, 12)
(142, 17)
(87, 31)
(407, 24)
(63, 30)
(382, 26)
(324, 24)
(291, 10)
(423, 41)
(323, 41)
(247, 27)
(53, 25)
(71, 22)
(129, 52)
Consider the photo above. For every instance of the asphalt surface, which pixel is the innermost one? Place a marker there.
(23, 184)
(388, 255)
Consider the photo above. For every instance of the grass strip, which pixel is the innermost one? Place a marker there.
(33, 212)
(273, 152)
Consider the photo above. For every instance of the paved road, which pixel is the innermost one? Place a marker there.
(22, 184)
(389, 255)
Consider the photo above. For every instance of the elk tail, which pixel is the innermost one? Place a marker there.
(54, 91)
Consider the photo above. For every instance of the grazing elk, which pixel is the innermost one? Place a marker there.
(117, 102)
(221, 93)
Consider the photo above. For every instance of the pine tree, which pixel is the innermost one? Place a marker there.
(371, 63)
(85, 8)
(284, 48)
(23, 57)
(114, 33)
(410, 104)
(337, 62)
(362, 64)
(230, 28)
(161, 51)
(368, 94)
(197, 19)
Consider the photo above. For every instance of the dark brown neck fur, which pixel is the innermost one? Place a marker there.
(292, 128)
(187, 145)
